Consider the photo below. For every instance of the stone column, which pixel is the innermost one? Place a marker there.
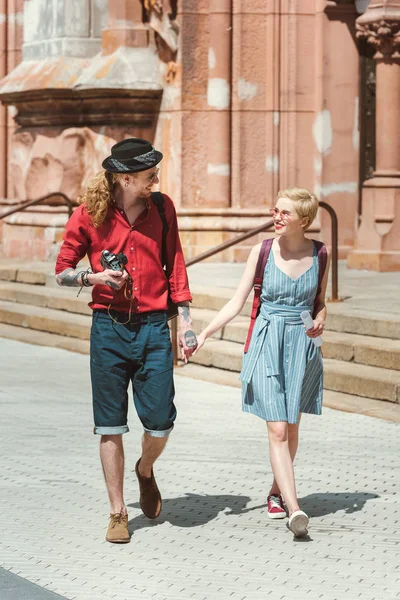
(378, 239)
(125, 27)
(3, 109)
(219, 102)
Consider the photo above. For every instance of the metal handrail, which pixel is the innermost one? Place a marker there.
(229, 243)
(29, 203)
(335, 251)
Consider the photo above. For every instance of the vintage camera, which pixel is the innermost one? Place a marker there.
(116, 262)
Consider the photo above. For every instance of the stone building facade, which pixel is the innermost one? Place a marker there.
(243, 97)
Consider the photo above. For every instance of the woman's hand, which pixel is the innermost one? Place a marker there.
(201, 338)
(114, 279)
(317, 330)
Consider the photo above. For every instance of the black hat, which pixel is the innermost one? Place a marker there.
(132, 155)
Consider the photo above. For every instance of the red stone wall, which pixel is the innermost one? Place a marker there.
(259, 95)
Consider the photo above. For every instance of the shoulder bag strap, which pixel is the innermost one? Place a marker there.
(258, 280)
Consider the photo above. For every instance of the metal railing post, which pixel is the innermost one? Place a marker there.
(335, 254)
(174, 339)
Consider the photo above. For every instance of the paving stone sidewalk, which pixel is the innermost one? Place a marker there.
(214, 540)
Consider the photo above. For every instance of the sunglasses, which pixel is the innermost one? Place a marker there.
(284, 214)
(153, 176)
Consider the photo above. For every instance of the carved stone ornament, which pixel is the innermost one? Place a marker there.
(161, 18)
(383, 34)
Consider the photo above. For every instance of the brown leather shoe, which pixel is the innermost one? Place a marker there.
(117, 532)
(150, 497)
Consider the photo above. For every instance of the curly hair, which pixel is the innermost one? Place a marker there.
(97, 197)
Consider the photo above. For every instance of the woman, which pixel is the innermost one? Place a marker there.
(282, 371)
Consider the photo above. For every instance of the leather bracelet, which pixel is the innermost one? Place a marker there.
(85, 280)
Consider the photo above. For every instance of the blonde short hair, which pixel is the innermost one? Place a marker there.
(306, 203)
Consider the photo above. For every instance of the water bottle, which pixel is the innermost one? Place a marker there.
(309, 324)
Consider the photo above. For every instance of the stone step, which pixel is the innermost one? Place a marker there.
(42, 338)
(25, 272)
(362, 380)
(336, 400)
(342, 317)
(64, 299)
(45, 319)
(340, 376)
(368, 350)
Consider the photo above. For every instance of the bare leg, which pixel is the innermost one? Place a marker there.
(293, 435)
(152, 447)
(281, 462)
(112, 460)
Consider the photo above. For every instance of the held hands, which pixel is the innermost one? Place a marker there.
(201, 338)
(114, 279)
(317, 330)
(187, 343)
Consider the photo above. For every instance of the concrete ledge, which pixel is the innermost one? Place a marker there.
(45, 319)
(63, 299)
(41, 338)
(361, 380)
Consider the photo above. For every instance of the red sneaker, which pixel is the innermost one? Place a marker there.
(276, 509)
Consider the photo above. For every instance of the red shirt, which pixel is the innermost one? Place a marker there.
(142, 245)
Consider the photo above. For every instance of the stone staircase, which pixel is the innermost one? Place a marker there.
(361, 348)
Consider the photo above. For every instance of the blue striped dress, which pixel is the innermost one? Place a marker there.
(282, 371)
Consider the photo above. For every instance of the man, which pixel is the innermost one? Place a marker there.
(130, 338)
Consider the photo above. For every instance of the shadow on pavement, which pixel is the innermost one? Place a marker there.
(191, 510)
(194, 510)
(319, 505)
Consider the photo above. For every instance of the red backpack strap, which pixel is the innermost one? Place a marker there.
(322, 261)
(258, 281)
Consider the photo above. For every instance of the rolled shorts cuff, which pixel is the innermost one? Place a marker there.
(159, 434)
(111, 430)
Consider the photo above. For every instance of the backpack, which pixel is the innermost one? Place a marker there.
(158, 200)
(259, 276)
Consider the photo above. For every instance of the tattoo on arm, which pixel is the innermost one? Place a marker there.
(184, 312)
(190, 339)
(70, 278)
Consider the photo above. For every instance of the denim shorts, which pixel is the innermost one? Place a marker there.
(139, 352)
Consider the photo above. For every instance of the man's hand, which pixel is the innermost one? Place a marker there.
(186, 337)
(114, 279)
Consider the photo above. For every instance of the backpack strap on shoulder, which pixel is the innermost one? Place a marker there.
(258, 281)
(158, 200)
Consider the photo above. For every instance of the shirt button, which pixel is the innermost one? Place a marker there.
(133, 269)
(131, 248)
(131, 228)
(135, 289)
